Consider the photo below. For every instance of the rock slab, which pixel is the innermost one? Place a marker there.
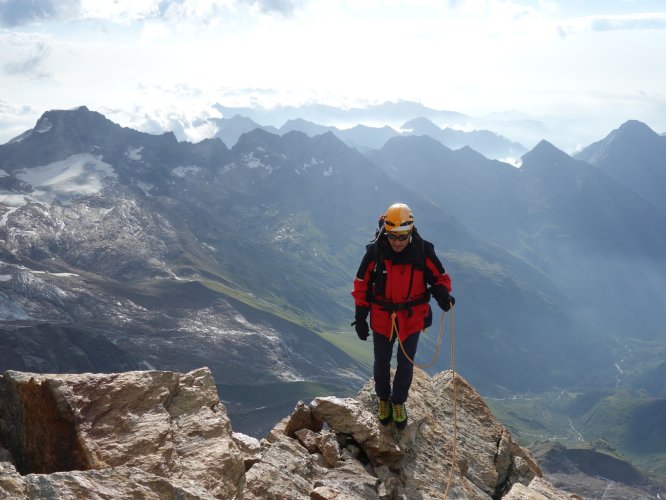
(154, 428)
(165, 435)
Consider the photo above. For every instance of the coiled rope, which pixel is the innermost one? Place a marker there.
(453, 382)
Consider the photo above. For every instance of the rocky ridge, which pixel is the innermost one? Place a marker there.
(158, 434)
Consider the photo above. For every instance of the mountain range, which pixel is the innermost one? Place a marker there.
(366, 138)
(524, 128)
(123, 250)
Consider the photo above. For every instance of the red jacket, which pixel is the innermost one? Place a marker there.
(407, 274)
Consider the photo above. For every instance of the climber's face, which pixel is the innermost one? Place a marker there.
(399, 241)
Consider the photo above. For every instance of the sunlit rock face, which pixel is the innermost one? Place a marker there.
(154, 431)
(336, 448)
(158, 434)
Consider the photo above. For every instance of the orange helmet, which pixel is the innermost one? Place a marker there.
(398, 219)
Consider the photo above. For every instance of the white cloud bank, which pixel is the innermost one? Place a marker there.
(162, 64)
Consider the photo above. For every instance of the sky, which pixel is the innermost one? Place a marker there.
(583, 67)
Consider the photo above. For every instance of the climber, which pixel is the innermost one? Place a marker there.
(393, 284)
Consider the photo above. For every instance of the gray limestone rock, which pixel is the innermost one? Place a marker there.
(166, 435)
(367, 460)
(163, 423)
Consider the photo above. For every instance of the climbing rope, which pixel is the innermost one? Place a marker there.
(453, 383)
(455, 409)
(439, 341)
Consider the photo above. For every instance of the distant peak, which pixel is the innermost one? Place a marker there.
(632, 129)
(75, 110)
(420, 124)
(545, 153)
(545, 147)
(631, 140)
(422, 141)
(240, 118)
(634, 124)
(298, 121)
(468, 152)
(73, 113)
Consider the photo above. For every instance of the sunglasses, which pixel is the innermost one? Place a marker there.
(398, 237)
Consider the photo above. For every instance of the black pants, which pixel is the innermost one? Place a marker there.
(382, 369)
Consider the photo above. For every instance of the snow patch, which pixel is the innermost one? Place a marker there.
(252, 162)
(146, 188)
(43, 126)
(80, 174)
(328, 172)
(241, 319)
(134, 153)
(312, 163)
(185, 171)
(10, 210)
(3, 173)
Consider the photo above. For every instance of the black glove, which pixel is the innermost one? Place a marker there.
(360, 323)
(444, 300)
(448, 304)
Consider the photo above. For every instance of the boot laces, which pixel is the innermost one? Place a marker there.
(383, 408)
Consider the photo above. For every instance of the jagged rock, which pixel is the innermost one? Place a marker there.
(163, 423)
(116, 482)
(166, 435)
(487, 461)
(349, 416)
(349, 479)
(368, 460)
(301, 418)
(324, 493)
(329, 448)
(307, 439)
(11, 483)
(285, 471)
(249, 447)
(538, 489)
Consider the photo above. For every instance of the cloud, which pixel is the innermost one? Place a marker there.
(637, 21)
(32, 65)
(124, 11)
(18, 12)
(642, 21)
(15, 119)
(284, 7)
(186, 122)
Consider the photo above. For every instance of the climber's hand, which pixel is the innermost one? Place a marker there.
(360, 322)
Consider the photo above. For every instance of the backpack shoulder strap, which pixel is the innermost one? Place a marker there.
(378, 278)
(420, 245)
